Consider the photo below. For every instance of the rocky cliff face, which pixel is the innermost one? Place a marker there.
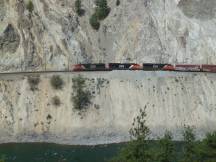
(172, 100)
(53, 36)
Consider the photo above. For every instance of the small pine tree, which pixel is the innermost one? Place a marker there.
(209, 147)
(30, 6)
(57, 82)
(82, 96)
(94, 22)
(117, 2)
(166, 148)
(102, 9)
(189, 144)
(78, 7)
(138, 150)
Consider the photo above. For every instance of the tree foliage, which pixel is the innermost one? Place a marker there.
(57, 82)
(78, 7)
(102, 10)
(166, 152)
(141, 149)
(138, 150)
(33, 82)
(81, 97)
(118, 2)
(189, 152)
(56, 101)
(208, 147)
(94, 22)
(30, 6)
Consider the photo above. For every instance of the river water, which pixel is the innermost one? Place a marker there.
(42, 152)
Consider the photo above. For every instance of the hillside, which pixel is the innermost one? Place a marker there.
(171, 101)
(53, 36)
(49, 35)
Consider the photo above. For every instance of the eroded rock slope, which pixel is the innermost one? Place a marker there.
(171, 101)
(53, 36)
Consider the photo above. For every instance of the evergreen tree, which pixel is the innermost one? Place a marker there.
(117, 2)
(94, 22)
(209, 147)
(30, 6)
(189, 153)
(102, 9)
(78, 7)
(166, 148)
(138, 150)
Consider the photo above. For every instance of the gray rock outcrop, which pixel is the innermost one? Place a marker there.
(9, 40)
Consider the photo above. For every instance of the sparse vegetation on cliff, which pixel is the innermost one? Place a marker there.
(102, 10)
(56, 101)
(82, 96)
(78, 8)
(33, 82)
(30, 6)
(118, 2)
(57, 82)
(94, 22)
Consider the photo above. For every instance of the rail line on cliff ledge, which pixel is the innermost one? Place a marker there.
(101, 67)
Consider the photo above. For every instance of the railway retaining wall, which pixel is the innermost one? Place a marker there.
(171, 100)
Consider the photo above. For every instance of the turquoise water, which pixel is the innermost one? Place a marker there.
(42, 152)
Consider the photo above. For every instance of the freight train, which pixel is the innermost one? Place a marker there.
(144, 66)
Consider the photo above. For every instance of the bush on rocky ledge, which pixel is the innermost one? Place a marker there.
(82, 96)
(57, 82)
(56, 101)
(33, 82)
(30, 6)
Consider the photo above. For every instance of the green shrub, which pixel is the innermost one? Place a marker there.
(81, 97)
(33, 82)
(117, 2)
(94, 22)
(57, 82)
(101, 12)
(56, 101)
(30, 6)
(78, 7)
(102, 9)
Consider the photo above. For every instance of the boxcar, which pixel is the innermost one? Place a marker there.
(153, 67)
(187, 67)
(209, 68)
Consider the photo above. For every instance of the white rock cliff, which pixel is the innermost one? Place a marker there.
(53, 37)
(171, 99)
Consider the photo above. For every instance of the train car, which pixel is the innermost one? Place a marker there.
(90, 67)
(188, 67)
(169, 67)
(209, 68)
(153, 67)
(124, 66)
